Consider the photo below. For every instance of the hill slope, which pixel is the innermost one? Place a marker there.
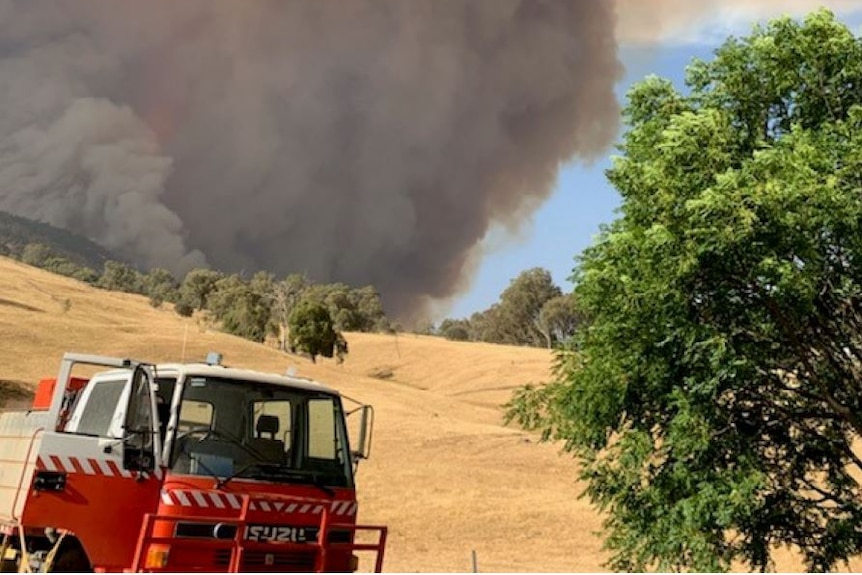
(444, 474)
(16, 232)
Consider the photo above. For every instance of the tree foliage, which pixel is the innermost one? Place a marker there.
(119, 276)
(532, 310)
(45, 257)
(312, 331)
(558, 319)
(521, 305)
(161, 286)
(455, 329)
(351, 309)
(241, 307)
(284, 297)
(715, 394)
(197, 286)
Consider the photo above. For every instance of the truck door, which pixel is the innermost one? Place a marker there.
(99, 475)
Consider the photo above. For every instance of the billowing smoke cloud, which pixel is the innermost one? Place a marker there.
(365, 141)
(96, 169)
(370, 141)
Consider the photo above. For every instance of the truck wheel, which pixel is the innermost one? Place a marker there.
(71, 559)
(8, 565)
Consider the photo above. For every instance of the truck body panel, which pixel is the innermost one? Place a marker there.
(20, 440)
(96, 486)
(181, 467)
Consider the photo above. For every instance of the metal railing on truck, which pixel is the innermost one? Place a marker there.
(237, 546)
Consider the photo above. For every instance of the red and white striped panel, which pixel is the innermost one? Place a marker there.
(217, 500)
(85, 466)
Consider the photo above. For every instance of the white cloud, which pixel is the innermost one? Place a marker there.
(706, 22)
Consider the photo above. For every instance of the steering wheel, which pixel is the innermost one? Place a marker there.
(205, 429)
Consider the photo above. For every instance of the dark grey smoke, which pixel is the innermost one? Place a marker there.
(365, 141)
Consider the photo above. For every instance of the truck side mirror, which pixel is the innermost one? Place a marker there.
(366, 426)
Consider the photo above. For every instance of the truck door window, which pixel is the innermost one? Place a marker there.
(322, 437)
(139, 431)
(96, 416)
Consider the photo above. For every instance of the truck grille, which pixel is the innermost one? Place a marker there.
(257, 560)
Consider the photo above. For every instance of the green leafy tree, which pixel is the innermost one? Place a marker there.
(342, 309)
(119, 276)
(520, 306)
(241, 307)
(312, 331)
(486, 325)
(85, 274)
(516, 319)
(351, 309)
(284, 296)
(197, 286)
(715, 393)
(455, 329)
(369, 310)
(184, 308)
(161, 286)
(558, 319)
(43, 256)
(36, 254)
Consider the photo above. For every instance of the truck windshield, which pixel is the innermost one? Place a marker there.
(230, 428)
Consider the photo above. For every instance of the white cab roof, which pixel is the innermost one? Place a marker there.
(206, 370)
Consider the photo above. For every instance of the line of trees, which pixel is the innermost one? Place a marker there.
(531, 311)
(302, 316)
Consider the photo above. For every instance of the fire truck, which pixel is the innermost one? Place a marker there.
(183, 467)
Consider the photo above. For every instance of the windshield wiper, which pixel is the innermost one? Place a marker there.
(314, 480)
(259, 464)
(275, 471)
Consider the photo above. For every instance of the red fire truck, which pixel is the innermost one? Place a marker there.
(182, 467)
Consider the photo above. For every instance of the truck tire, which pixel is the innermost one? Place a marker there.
(8, 565)
(71, 559)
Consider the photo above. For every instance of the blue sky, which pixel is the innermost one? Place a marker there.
(583, 200)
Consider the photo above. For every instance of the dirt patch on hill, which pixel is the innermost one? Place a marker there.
(15, 394)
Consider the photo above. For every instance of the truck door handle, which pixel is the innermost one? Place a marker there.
(49, 481)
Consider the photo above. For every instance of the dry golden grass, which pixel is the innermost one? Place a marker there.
(445, 475)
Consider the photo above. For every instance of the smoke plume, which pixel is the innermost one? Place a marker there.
(364, 141)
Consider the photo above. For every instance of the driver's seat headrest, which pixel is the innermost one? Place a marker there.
(267, 424)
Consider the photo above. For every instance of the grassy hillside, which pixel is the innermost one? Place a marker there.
(17, 232)
(445, 474)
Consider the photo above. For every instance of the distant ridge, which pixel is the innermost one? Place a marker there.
(16, 232)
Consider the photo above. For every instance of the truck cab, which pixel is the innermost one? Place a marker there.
(193, 466)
